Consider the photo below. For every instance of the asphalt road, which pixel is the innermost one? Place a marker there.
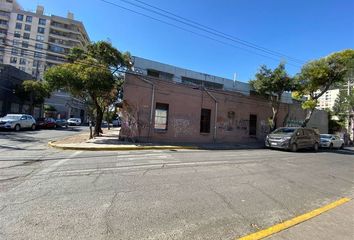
(186, 194)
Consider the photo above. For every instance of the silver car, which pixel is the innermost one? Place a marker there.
(17, 122)
(293, 138)
(331, 141)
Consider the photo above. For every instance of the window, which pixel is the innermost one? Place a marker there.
(205, 120)
(40, 30)
(18, 26)
(29, 19)
(203, 83)
(36, 62)
(56, 49)
(161, 116)
(22, 61)
(27, 27)
(153, 73)
(14, 51)
(39, 46)
(37, 54)
(24, 52)
(20, 17)
(22, 69)
(41, 21)
(25, 44)
(3, 22)
(17, 34)
(40, 38)
(253, 125)
(26, 35)
(13, 60)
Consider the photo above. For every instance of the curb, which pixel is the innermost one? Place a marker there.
(121, 148)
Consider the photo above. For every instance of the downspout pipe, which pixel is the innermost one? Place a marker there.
(216, 113)
(152, 102)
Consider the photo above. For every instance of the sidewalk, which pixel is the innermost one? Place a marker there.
(337, 223)
(109, 142)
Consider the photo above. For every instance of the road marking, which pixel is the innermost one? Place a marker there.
(157, 166)
(294, 221)
(58, 163)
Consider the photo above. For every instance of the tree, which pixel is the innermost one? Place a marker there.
(318, 76)
(33, 91)
(93, 75)
(272, 84)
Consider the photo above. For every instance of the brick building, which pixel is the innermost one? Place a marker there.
(158, 109)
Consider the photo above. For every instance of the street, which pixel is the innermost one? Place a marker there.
(48, 193)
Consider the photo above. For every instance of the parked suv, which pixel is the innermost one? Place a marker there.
(292, 138)
(17, 122)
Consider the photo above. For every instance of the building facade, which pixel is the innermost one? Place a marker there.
(185, 108)
(327, 100)
(34, 41)
(10, 79)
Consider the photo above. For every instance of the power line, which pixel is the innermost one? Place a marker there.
(209, 29)
(209, 32)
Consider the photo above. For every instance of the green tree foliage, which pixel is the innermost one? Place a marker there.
(33, 91)
(272, 84)
(318, 76)
(93, 75)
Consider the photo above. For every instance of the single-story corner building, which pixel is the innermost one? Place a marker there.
(163, 103)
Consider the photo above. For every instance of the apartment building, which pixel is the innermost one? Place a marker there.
(327, 100)
(35, 41)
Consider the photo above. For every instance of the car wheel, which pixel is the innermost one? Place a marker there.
(315, 147)
(33, 127)
(293, 147)
(342, 146)
(55, 126)
(331, 146)
(17, 127)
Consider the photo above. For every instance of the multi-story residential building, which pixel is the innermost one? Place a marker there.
(34, 41)
(327, 100)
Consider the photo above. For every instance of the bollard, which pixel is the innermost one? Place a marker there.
(90, 124)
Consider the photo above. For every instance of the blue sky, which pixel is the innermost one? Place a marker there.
(302, 29)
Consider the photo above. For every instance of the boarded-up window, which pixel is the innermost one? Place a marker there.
(161, 116)
(205, 120)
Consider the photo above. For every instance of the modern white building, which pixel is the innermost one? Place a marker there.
(327, 100)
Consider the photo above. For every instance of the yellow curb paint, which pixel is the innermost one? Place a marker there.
(292, 222)
(52, 144)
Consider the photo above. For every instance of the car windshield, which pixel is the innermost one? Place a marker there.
(326, 136)
(11, 117)
(284, 131)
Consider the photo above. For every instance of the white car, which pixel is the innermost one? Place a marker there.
(74, 121)
(17, 122)
(331, 141)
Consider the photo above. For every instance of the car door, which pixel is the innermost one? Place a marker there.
(337, 143)
(300, 138)
(23, 121)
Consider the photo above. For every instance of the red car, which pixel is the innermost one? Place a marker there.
(46, 123)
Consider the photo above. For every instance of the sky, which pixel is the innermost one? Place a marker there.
(298, 31)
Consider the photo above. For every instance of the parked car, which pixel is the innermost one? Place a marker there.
(117, 122)
(293, 138)
(61, 123)
(331, 141)
(74, 121)
(17, 122)
(45, 123)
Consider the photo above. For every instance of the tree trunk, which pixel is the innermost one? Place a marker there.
(308, 117)
(99, 117)
(274, 118)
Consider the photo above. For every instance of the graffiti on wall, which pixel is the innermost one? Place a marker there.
(293, 123)
(181, 127)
